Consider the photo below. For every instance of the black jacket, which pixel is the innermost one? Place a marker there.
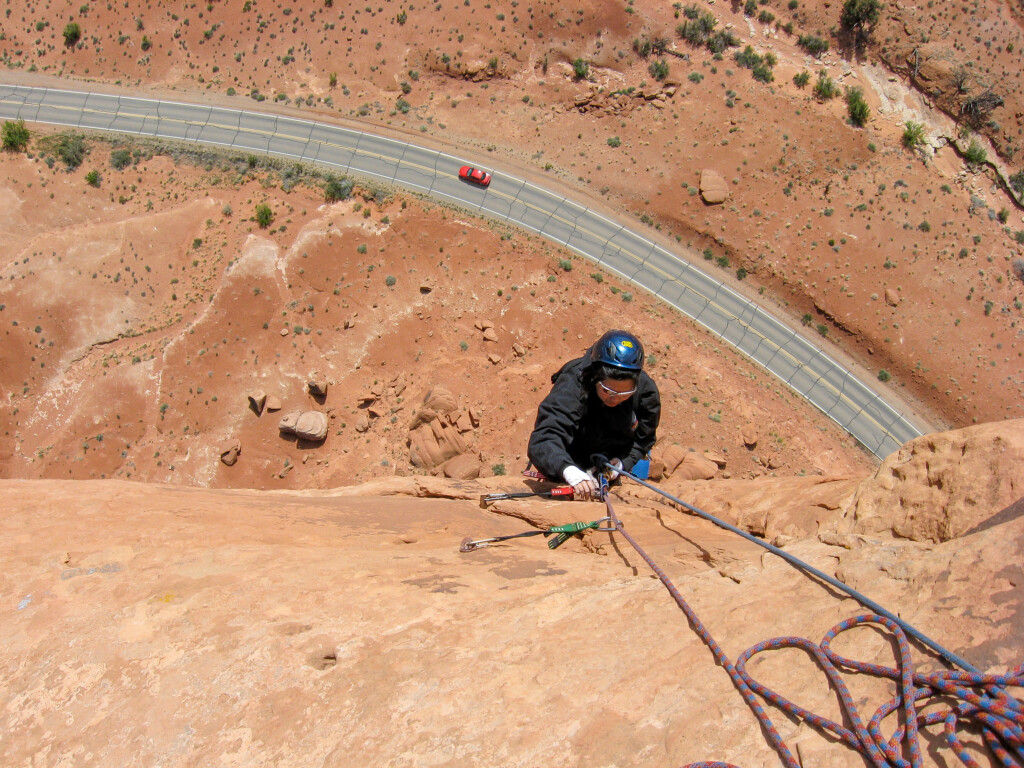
(573, 424)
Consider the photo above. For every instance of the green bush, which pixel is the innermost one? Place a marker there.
(92, 178)
(1017, 182)
(659, 69)
(337, 189)
(614, 141)
(913, 134)
(580, 69)
(67, 147)
(826, 87)
(120, 159)
(72, 34)
(264, 215)
(813, 44)
(390, 280)
(801, 79)
(856, 107)
(15, 135)
(883, 376)
(975, 154)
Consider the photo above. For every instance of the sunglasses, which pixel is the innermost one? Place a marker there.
(615, 392)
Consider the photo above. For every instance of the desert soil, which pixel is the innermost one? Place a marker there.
(138, 314)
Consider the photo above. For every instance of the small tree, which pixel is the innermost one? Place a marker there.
(856, 107)
(15, 135)
(264, 215)
(860, 17)
(72, 34)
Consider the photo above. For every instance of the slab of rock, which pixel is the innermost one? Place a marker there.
(490, 334)
(273, 403)
(713, 188)
(670, 456)
(432, 444)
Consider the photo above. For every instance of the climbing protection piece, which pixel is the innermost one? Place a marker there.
(560, 492)
(561, 534)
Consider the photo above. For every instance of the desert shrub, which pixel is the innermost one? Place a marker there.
(264, 215)
(580, 69)
(698, 26)
(1017, 265)
(766, 17)
(72, 34)
(390, 280)
(825, 88)
(1019, 236)
(801, 79)
(913, 134)
(92, 178)
(718, 42)
(120, 159)
(614, 141)
(68, 147)
(659, 69)
(337, 189)
(1003, 215)
(695, 77)
(750, 7)
(565, 264)
(146, 43)
(975, 154)
(884, 376)
(856, 107)
(813, 44)
(15, 135)
(1017, 182)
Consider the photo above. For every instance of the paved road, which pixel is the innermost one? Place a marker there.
(798, 362)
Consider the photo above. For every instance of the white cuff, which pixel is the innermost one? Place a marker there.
(574, 475)
(617, 463)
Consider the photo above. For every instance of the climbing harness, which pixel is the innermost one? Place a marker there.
(980, 700)
(561, 534)
(560, 492)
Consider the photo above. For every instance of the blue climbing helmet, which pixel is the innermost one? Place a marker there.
(619, 349)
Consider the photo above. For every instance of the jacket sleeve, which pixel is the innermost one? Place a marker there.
(648, 416)
(558, 420)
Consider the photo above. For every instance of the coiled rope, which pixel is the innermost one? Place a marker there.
(981, 700)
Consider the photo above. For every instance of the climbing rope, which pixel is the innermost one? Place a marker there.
(980, 701)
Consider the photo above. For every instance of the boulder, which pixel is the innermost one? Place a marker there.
(317, 385)
(273, 403)
(671, 456)
(258, 401)
(941, 486)
(229, 452)
(305, 425)
(694, 467)
(490, 334)
(892, 298)
(465, 466)
(749, 435)
(713, 188)
(432, 444)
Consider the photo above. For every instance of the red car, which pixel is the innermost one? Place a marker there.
(474, 175)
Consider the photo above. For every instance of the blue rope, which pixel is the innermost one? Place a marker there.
(984, 698)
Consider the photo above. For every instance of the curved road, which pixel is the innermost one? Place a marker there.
(801, 365)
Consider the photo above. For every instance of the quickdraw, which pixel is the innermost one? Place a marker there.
(561, 534)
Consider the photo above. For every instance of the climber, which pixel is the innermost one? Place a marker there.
(601, 403)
